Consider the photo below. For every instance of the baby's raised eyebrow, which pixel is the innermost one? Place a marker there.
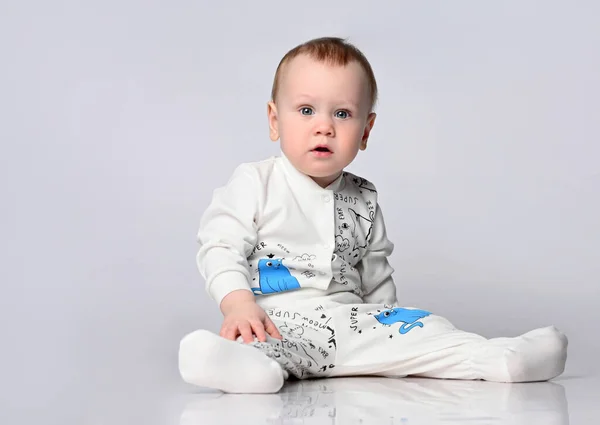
(308, 98)
(351, 104)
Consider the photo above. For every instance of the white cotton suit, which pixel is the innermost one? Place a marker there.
(317, 261)
(331, 241)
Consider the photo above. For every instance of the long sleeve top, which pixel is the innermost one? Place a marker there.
(272, 230)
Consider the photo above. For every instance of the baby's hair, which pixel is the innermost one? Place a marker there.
(333, 51)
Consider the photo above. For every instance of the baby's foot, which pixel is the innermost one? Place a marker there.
(208, 360)
(538, 355)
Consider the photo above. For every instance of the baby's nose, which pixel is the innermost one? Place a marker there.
(324, 127)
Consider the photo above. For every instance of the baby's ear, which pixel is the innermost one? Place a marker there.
(273, 121)
(367, 131)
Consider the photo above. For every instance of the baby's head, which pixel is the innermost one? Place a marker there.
(321, 106)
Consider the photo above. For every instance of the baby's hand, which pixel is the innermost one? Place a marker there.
(244, 317)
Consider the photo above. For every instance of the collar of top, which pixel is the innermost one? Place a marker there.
(305, 182)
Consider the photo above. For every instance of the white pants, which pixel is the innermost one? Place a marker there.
(371, 339)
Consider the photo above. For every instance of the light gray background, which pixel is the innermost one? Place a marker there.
(119, 118)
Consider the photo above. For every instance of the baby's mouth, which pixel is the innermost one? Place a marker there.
(322, 149)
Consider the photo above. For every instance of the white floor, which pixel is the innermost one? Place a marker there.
(139, 391)
(381, 401)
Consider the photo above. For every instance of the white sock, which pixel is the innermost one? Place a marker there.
(538, 355)
(208, 360)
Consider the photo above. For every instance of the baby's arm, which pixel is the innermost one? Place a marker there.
(227, 235)
(374, 268)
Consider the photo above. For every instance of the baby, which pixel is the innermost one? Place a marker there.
(295, 252)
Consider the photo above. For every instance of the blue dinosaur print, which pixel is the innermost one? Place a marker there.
(409, 317)
(274, 277)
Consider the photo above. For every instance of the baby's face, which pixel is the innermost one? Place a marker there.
(322, 116)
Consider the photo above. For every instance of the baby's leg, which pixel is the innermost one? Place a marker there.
(307, 350)
(397, 342)
(538, 355)
(208, 360)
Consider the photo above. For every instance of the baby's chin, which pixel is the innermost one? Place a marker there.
(321, 172)
(321, 169)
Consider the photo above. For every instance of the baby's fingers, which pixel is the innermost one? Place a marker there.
(246, 332)
(272, 329)
(259, 330)
(229, 332)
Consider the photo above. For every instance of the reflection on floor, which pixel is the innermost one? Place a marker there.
(385, 401)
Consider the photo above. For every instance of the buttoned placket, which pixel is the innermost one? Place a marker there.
(320, 205)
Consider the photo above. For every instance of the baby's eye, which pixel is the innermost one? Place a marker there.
(306, 110)
(342, 114)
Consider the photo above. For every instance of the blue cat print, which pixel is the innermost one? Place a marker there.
(274, 277)
(407, 316)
